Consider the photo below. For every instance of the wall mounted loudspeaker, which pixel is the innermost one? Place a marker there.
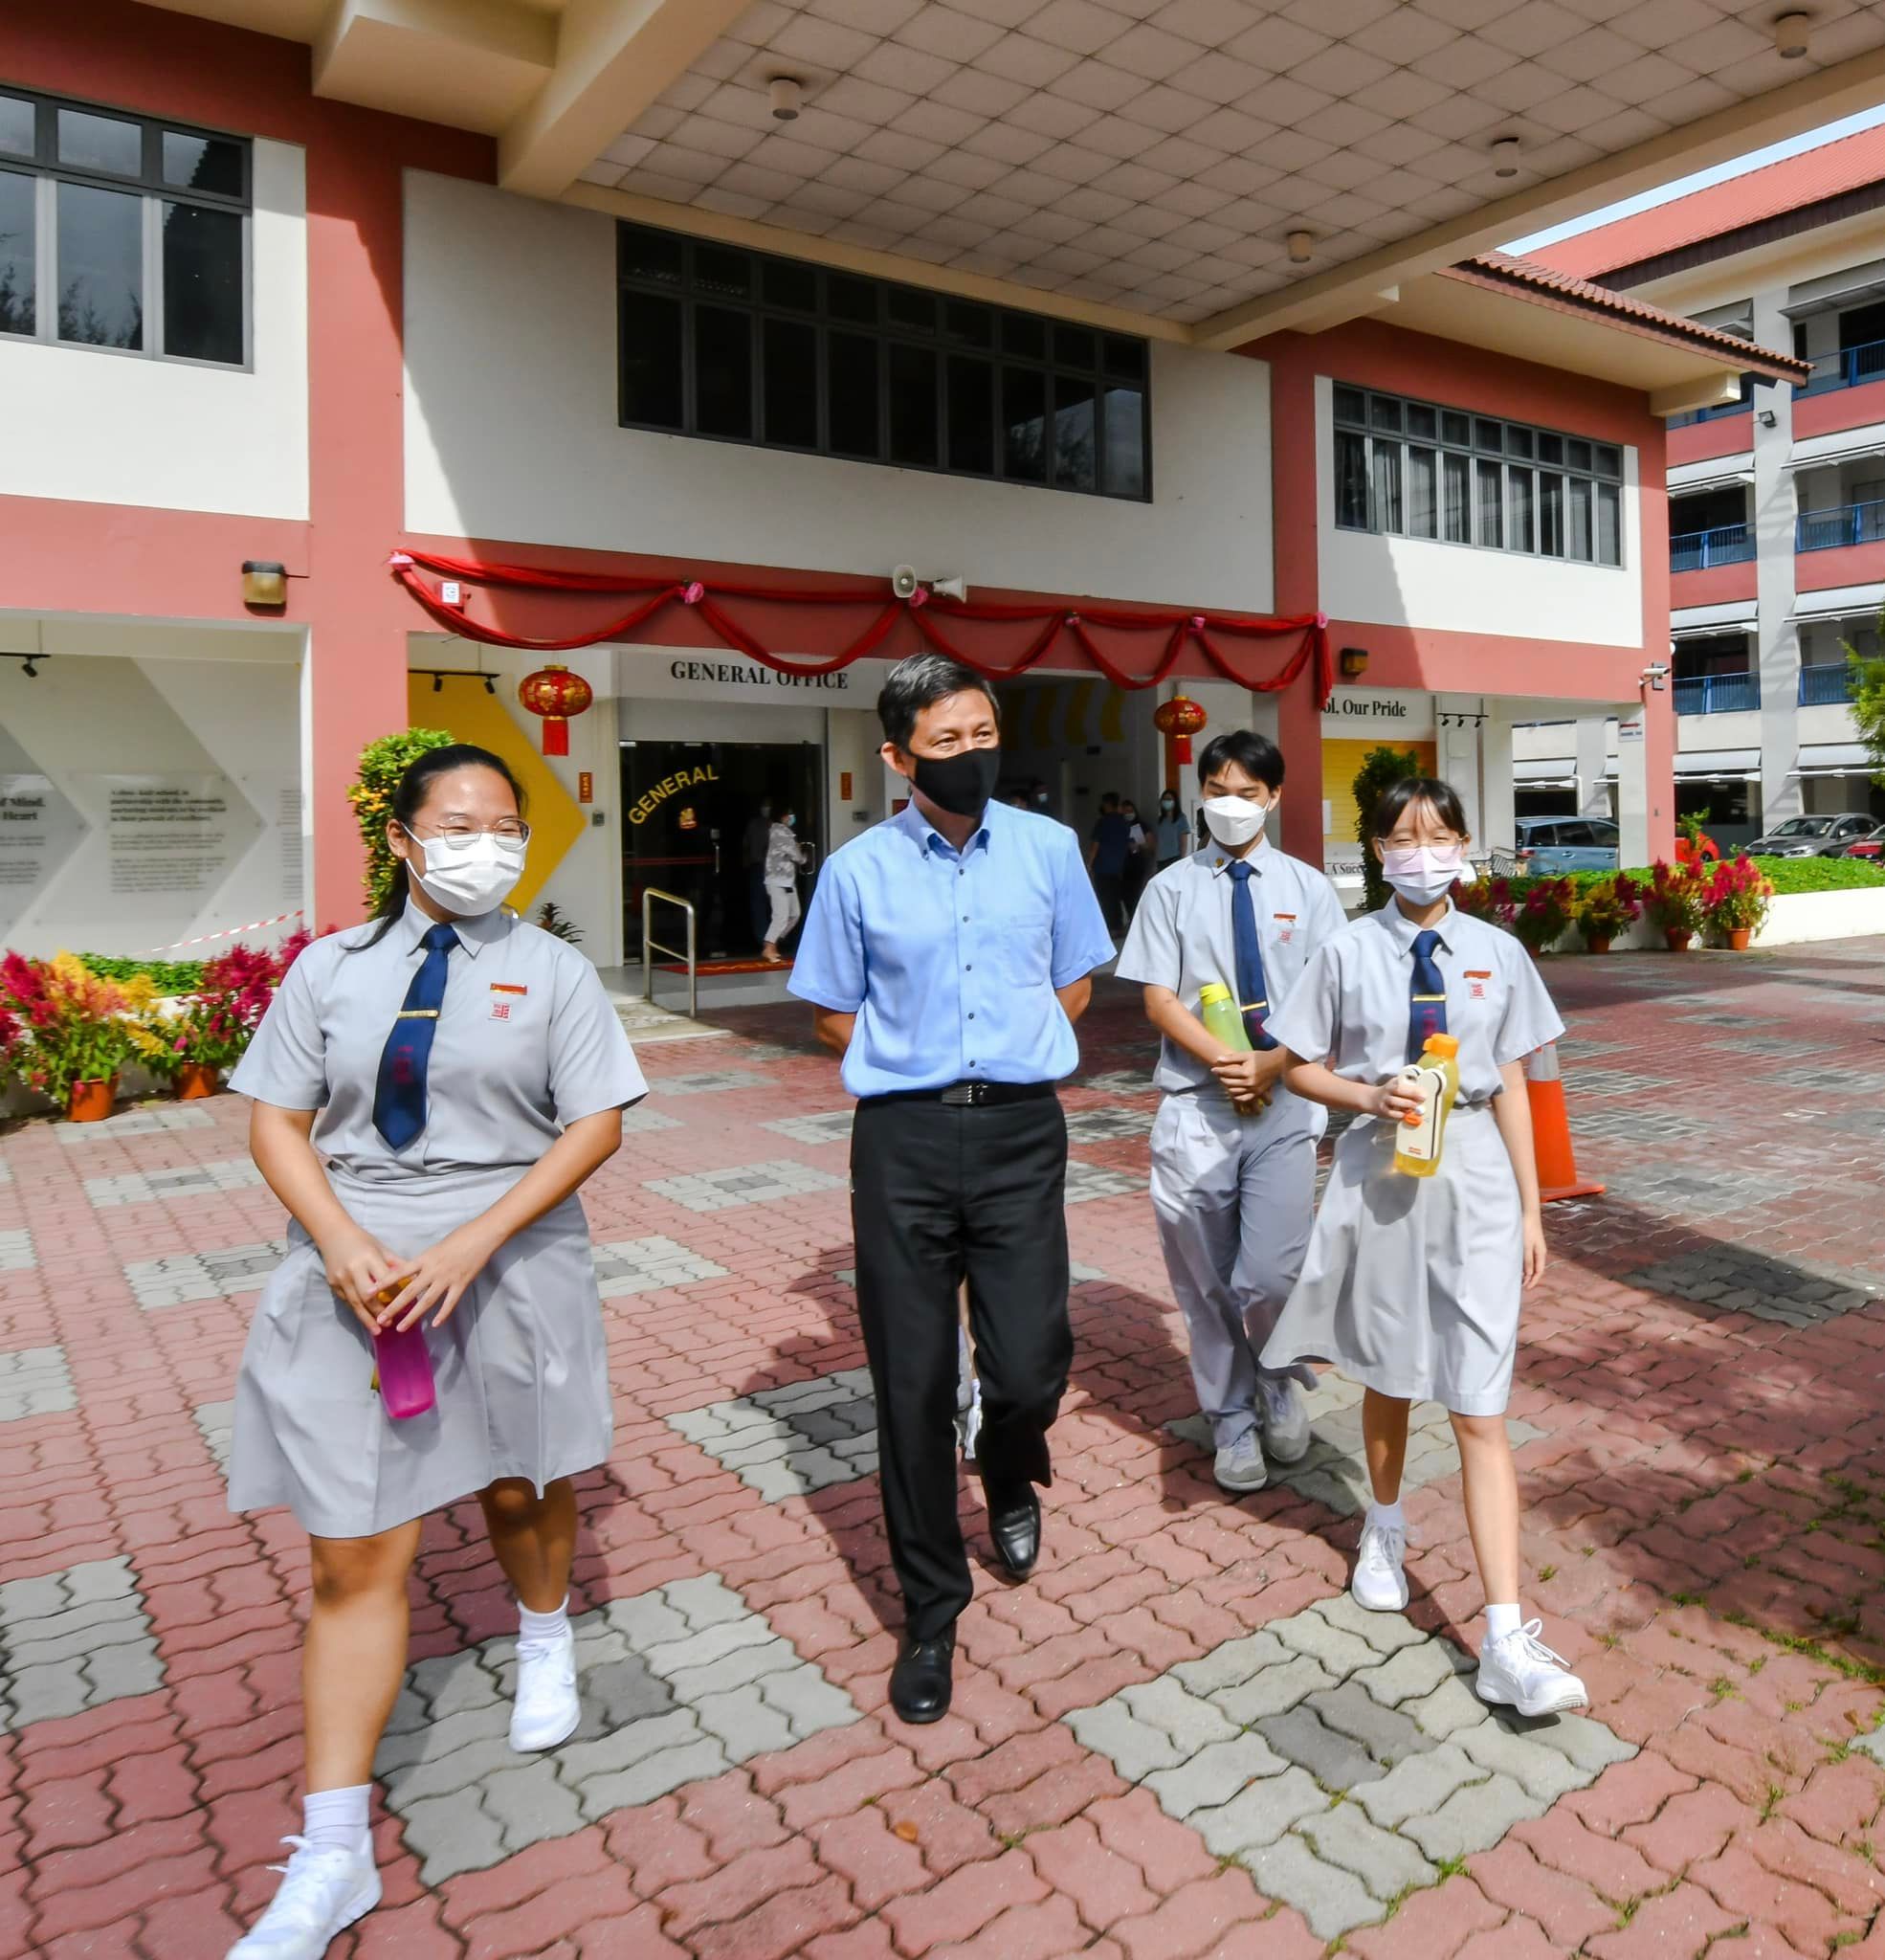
(904, 581)
(951, 587)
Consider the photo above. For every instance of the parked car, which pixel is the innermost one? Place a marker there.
(1871, 845)
(1703, 851)
(1811, 836)
(1550, 846)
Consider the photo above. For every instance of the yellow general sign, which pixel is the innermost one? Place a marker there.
(671, 785)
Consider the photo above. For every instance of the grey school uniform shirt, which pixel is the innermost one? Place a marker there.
(526, 1043)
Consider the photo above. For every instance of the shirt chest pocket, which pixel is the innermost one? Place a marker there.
(1024, 944)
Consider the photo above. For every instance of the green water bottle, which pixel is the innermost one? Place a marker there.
(1217, 1009)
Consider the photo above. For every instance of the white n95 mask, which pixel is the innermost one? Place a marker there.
(1232, 821)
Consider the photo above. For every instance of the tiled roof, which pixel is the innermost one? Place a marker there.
(1499, 269)
(1850, 164)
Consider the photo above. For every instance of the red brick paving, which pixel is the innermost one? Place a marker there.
(1704, 1527)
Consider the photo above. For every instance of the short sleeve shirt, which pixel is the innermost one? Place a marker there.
(1174, 834)
(527, 1042)
(1181, 938)
(1350, 1007)
(1112, 837)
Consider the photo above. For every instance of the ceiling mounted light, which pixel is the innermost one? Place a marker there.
(1792, 35)
(787, 92)
(1506, 152)
(1302, 247)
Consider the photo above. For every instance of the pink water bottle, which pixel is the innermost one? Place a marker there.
(405, 1367)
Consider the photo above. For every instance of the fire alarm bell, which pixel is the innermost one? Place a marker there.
(452, 592)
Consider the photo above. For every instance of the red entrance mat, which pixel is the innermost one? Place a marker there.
(726, 967)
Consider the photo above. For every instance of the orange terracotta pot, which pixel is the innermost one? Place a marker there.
(92, 1102)
(1675, 939)
(196, 1080)
(1738, 937)
(1597, 946)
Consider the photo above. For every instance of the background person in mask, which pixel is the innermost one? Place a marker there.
(1171, 834)
(1411, 1286)
(948, 953)
(1233, 1153)
(430, 1092)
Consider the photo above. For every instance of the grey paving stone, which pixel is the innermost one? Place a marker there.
(1107, 1125)
(734, 1669)
(1339, 1651)
(1168, 1706)
(1386, 1632)
(828, 1127)
(625, 1266)
(1384, 1862)
(1258, 1814)
(1386, 1733)
(1273, 1689)
(150, 1120)
(1872, 1743)
(1414, 1671)
(16, 1253)
(1588, 1745)
(1089, 1181)
(741, 1718)
(72, 1640)
(195, 1180)
(708, 1082)
(1332, 1900)
(1451, 1707)
(580, 1763)
(1418, 1786)
(698, 1649)
(744, 1184)
(807, 1700)
(215, 1422)
(1334, 1760)
(34, 1381)
(1234, 1663)
(1135, 1748)
(793, 1440)
(1544, 1775)
(654, 1777)
(1473, 1818)
(179, 1278)
(453, 1833)
(529, 1803)
(641, 1121)
(1215, 1774)
(45, 1693)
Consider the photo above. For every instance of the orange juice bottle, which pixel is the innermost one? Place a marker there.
(1436, 1079)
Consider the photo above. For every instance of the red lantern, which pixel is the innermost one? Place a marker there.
(556, 694)
(1181, 718)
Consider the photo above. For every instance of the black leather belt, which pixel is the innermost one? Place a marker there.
(966, 1095)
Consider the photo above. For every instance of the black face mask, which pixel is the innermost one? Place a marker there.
(960, 784)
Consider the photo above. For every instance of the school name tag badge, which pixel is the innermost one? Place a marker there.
(1476, 982)
(503, 997)
(1285, 927)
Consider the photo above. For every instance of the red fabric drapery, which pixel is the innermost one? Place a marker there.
(649, 595)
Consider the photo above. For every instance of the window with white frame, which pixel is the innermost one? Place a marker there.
(127, 232)
(1413, 469)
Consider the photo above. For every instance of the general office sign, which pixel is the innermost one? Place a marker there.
(660, 674)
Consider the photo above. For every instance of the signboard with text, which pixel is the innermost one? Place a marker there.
(661, 674)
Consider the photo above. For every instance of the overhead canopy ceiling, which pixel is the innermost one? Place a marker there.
(1146, 157)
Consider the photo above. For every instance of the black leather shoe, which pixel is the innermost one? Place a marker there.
(921, 1682)
(1015, 1522)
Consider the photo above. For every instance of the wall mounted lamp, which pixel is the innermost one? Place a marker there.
(29, 663)
(1353, 660)
(1506, 152)
(439, 676)
(1768, 418)
(1793, 36)
(264, 583)
(1302, 247)
(785, 93)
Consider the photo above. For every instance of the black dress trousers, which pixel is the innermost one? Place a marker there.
(941, 1192)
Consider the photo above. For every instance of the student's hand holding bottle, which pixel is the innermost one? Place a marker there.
(358, 1267)
(1393, 1100)
(1249, 1077)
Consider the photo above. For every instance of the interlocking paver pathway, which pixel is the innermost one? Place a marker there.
(1179, 1739)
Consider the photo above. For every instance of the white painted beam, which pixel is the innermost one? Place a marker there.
(1706, 392)
(470, 65)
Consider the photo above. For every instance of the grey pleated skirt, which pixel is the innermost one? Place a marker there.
(1411, 1285)
(522, 1369)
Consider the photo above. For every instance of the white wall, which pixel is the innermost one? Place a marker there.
(502, 288)
(1385, 581)
(103, 428)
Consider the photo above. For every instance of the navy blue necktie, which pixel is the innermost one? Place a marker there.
(1426, 996)
(1253, 992)
(399, 1097)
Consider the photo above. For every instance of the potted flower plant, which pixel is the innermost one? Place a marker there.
(1607, 907)
(214, 1025)
(1736, 901)
(1545, 914)
(1674, 902)
(79, 1032)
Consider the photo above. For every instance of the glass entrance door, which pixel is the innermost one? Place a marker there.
(693, 822)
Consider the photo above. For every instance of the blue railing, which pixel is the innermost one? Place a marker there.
(1849, 368)
(1717, 694)
(1826, 686)
(1725, 545)
(1845, 523)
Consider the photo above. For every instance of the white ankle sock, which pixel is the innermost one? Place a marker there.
(1391, 1516)
(1501, 1621)
(540, 1629)
(336, 1819)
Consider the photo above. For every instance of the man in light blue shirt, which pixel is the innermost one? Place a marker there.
(948, 953)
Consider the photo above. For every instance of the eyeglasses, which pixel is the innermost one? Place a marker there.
(510, 830)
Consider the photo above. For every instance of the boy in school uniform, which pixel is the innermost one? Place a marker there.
(1233, 1152)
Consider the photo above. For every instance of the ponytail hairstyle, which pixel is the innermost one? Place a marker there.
(409, 797)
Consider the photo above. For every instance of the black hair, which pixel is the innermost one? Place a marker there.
(1256, 755)
(1110, 801)
(1442, 798)
(408, 798)
(919, 682)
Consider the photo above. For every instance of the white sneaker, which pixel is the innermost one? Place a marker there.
(1379, 1583)
(1522, 1672)
(1240, 1469)
(1285, 1418)
(323, 1893)
(546, 1709)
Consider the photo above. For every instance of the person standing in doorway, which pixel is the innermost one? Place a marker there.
(1139, 860)
(1106, 853)
(754, 844)
(785, 859)
(947, 954)
(429, 1093)
(1171, 834)
(1233, 1152)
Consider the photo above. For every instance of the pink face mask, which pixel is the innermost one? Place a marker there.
(1422, 873)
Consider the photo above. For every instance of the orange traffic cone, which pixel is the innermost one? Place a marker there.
(1551, 1132)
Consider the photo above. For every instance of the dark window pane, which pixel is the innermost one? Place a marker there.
(914, 434)
(202, 284)
(1456, 499)
(789, 283)
(650, 361)
(649, 255)
(791, 383)
(1423, 421)
(203, 162)
(1075, 448)
(1518, 441)
(1550, 512)
(722, 273)
(17, 314)
(1609, 460)
(1123, 357)
(1454, 427)
(1580, 538)
(1122, 460)
(16, 127)
(971, 416)
(1351, 405)
(1076, 346)
(851, 386)
(1488, 528)
(1385, 509)
(1423, 493)
(101, 287)
(1384, 412)
(1580, 453)
(1518, 510)
(723, 372)
(909, 308)
(1488, 435)
(1351, 481)
(850, 299)
(101, 143)
(1551, 449)
(1024, 415)
(1610, 525)
(966, 325)
(1024, 335)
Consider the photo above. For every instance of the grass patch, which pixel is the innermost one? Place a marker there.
(1546, 1573)
(1772, 1801)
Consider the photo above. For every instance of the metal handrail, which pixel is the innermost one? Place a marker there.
(650, 945)
(1723, 544)
(1717, 694)
(1840, 524)
(1847, 367)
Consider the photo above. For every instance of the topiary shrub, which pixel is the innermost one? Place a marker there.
(1381, 769)
(382, 764)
